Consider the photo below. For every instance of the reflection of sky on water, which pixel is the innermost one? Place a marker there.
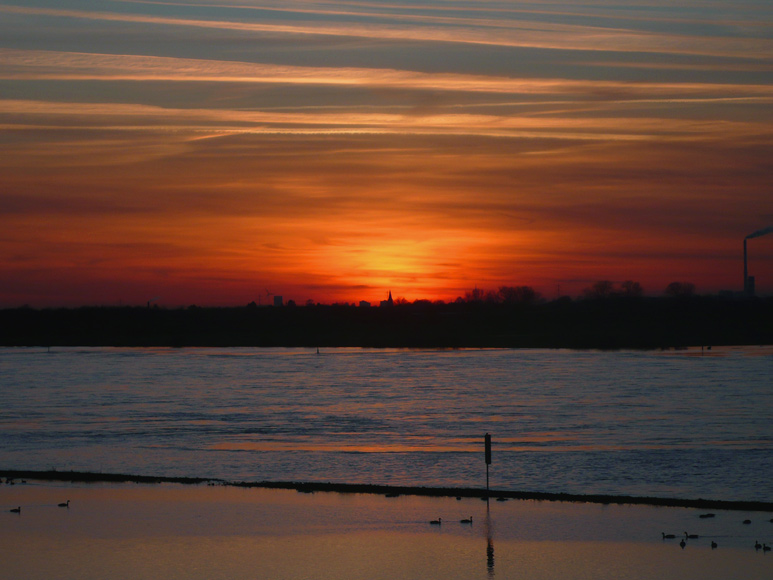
(168, 531)
(641, 423)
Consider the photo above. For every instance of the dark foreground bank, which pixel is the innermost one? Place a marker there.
(19, 476)
(599, 323)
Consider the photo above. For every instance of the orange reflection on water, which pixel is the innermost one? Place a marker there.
(198, 532)
(366, 448)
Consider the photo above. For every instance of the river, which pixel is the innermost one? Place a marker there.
(679, 424)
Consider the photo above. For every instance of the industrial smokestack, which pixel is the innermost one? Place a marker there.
(745, 270)
(748, 281)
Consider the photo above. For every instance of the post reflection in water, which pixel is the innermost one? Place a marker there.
(489, 542)
(490, 556)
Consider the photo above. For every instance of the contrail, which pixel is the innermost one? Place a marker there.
(761, 232)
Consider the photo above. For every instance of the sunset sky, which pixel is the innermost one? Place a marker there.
(212, 152)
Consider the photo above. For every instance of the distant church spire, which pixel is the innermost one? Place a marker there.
(389, 300)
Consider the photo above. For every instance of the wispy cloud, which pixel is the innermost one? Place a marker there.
(494, 33)
(49, 65)
(219, 122)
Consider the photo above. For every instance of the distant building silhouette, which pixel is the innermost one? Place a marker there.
(750, 286)
(364, 304)
(277, 301)
(388, 301)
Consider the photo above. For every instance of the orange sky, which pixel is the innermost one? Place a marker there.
(208, 153)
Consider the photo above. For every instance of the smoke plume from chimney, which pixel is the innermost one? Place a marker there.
(761, 232)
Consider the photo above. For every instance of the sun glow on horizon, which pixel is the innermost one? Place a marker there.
(206, 152)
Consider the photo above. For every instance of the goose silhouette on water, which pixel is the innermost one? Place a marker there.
(765, 548)
(436, 522)
(682, 543)
(691, 536)
(16, 510)
(713, 545)
(65, 504)
(668, 536)
(466, 521)
(757, 545)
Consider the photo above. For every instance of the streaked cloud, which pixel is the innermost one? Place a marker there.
(217, 123)
(507, 33)
(46, 65)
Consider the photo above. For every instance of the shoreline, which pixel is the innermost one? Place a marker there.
(608, 324)
(391, 491)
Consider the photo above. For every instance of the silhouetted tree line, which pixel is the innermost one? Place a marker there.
(510, 317)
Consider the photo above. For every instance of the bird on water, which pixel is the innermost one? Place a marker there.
(436, 522)
(466, 521)
(691, 536)
(16, 510)
(65, 504)
(668, 536)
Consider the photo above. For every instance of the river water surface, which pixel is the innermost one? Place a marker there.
(682, 424)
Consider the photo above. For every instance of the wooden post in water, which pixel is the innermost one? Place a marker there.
(487, 440)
